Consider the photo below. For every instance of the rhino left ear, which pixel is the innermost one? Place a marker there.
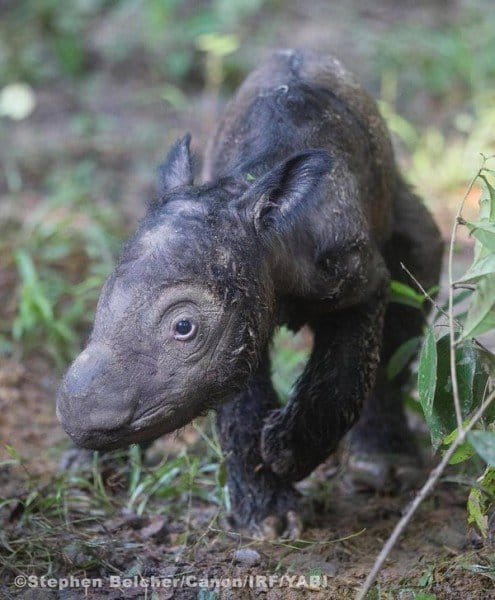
(275, 200)
(176, 170)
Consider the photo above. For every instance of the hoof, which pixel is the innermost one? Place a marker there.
(288, 526)
(384, 472)
(274, 513)
(275, 449)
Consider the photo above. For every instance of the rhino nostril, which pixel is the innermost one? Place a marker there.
(95, 395)
(106, 415)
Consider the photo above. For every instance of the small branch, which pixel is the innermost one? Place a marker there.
(423, 492)
(425, 293)
(438, 308)
(463, 286)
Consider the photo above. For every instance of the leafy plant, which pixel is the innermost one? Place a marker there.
(448, 386)
(451, 393)
(35, 314)
(178, 479)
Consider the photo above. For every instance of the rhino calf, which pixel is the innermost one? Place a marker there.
(303, 219)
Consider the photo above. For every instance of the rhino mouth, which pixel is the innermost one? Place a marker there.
(150, 425)
(146, 416)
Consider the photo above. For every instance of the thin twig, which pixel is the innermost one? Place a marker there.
(438, 308)
(423, 291)
(424, 491)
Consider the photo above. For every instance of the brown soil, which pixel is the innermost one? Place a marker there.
(345, 530)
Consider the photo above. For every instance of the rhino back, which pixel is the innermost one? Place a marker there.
(298, 100)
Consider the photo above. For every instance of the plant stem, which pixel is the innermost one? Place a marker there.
(438, 308)
(453, 370)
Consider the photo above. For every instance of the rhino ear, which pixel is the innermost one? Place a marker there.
(176, 170)
(277, 198)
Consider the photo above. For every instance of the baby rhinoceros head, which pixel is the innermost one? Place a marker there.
(183, 319)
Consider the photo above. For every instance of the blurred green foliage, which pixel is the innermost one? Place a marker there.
(289, 354)
(62, 252)
(454, 63)
(440, 160)
(43, 40)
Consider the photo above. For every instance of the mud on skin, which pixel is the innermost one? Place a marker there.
(302, 218)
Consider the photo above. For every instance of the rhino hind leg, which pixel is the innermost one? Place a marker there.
(382, 451)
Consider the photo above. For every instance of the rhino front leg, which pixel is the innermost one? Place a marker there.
(329, 396)
(262, 503)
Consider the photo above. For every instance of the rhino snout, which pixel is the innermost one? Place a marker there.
(94, 403)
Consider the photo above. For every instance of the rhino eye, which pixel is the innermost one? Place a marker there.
(184, 329)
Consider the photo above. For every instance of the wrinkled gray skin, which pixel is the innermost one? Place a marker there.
(303, 219)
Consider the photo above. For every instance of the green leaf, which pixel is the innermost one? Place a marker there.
(432, 291)
(404, 353)
(488, 360)
(462, 453)
(435, 383)
(135, 468)
(472, 375)
(484, 444)
(487, 482)
(491, 192)
(217, 44)
(482, 266)
(441, 416)
(486, 372)
(12, 452)
(43, 305)
(426, 578)
(481, 499)
(222, 474)
(427, 378)
(458, 299)
(481, 312)
(65, 332)
(404, 294)
(483, 231)
(476, 509)
(25, 267)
